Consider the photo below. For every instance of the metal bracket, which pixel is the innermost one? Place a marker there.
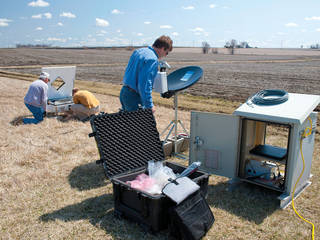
(198, 141)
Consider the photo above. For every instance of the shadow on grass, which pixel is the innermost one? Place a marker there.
(19, 120)
(249, 201)
(99, 212)
(87, 176)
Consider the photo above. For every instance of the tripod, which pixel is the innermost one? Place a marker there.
(173, 125)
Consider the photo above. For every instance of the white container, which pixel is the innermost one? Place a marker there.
(160, 84)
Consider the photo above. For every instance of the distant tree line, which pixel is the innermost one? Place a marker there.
(33, 45)
(205, 47)
(234, 44)
(315, 46)
(231, 45)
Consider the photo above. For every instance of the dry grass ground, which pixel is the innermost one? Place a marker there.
(51, 188)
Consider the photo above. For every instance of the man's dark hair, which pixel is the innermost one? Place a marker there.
(74, 91)
(163, 41)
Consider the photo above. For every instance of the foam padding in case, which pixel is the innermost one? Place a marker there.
(127, 140)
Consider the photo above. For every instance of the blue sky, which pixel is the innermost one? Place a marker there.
(262, 23)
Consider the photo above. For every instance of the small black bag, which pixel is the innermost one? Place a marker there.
(191, 219)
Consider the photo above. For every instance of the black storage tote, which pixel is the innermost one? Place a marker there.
(126, 142)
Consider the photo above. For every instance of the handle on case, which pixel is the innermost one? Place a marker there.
(93, 134)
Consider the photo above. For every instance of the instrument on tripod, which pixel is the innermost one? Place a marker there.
(177, 81)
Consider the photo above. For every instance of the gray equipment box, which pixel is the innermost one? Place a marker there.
(237, 146)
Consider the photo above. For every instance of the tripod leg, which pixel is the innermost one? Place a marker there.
(165, 140)
(185, 130)
(166, 128)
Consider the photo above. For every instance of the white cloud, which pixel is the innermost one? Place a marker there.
(139, 34)
(116, 40)
(197, 29)
(118, 31)
(318, 29)
(39, 28)
(37, 16)
(56, 39)
(312, 18)
(281, 33)
(188, 8)
(60, 24)
(116, 11)
(175, 34)
(147, 22)
(212, 6)
(166, 26)
(101, 22)
(291, 25)
(38, 3)
(4, 22)
(67, 15)
(101, 33)
(229, 32)
(48, 15)
(110, 40)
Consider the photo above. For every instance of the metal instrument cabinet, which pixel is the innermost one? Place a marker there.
(237, 146)
(60, 88)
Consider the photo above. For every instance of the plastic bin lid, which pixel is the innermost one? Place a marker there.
(127, 140)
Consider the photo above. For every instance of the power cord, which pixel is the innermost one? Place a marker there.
(307, 132)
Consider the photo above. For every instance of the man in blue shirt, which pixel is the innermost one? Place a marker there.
(140, 73)
(36, 99)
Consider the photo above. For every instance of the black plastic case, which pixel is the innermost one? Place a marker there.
(126, 142)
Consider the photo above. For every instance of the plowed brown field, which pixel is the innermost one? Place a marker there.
(233, 77)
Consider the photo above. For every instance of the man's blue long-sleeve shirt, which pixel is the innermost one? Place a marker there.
(140, 73)
(37, 94)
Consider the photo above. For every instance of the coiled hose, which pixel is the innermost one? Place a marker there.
(269, 97)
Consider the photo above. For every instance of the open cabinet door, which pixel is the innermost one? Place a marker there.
(214, 141)
(61, 82)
